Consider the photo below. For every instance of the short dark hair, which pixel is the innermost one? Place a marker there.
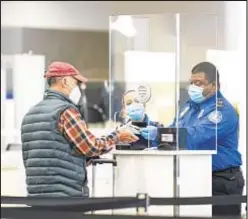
(52, 80)
(209, 69)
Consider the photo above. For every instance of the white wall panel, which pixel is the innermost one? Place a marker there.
(28, 84)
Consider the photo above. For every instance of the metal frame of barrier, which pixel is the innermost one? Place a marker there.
(65, 215)
(74, 207)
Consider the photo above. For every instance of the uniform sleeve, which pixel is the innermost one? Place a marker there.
(76, 132)
(215, 124)
(184, 110)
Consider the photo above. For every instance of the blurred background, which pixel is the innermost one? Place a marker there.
(104, 47)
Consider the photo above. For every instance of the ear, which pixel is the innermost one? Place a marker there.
(122, 113)
(215, 87)
(64, 82)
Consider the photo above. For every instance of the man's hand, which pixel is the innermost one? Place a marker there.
(126, 135)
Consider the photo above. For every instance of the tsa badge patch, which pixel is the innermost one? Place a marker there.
(215, 117)
(143, 93)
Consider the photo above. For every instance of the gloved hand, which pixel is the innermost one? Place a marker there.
(149, 133)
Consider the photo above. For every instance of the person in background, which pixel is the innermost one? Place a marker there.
(56, 140)
(206, 114)
(133, 111)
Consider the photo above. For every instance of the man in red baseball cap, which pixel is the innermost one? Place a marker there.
(56, 140)
(72, 79)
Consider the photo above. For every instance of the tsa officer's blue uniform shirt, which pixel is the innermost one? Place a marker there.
(203, 122)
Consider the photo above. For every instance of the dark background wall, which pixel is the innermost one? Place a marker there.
(11, 40)
(87, 50)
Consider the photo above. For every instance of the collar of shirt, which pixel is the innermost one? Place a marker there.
(146, 120)
(51, 94)
(211, 101)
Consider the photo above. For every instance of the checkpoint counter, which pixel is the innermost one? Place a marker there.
(154, 172)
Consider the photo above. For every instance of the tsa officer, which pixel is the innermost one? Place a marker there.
(134, 111)
(206, 114)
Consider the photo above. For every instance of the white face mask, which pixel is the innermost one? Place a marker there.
(75, 95)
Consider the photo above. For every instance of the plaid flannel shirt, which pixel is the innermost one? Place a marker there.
(75, 131)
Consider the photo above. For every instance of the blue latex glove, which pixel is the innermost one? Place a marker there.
(149, 133)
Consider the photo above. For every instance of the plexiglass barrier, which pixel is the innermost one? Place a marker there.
(198, 80)
(140, 58)
(162, 64)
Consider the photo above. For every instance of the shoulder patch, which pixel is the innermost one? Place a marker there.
(220, 103)
(215, 117)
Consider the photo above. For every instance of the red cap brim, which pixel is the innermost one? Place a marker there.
(80, 78)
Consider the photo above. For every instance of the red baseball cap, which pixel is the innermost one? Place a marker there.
(59, 69)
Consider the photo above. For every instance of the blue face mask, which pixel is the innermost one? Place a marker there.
(195, 94)
(136, 112)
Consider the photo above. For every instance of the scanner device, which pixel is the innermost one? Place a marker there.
(168, 138)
